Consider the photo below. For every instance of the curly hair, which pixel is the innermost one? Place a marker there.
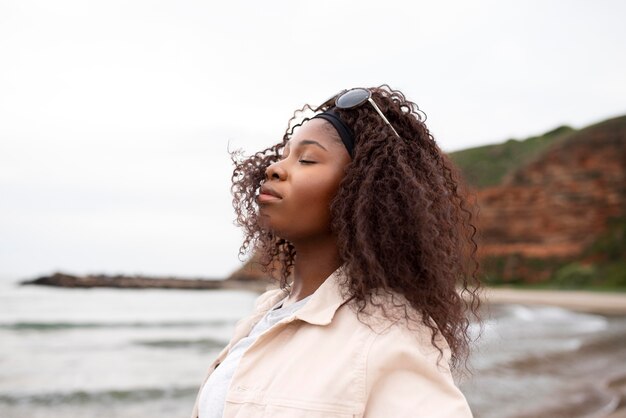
(403, 221)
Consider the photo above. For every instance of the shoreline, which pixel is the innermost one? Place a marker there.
(606, 304)
(609, 304)
(602, 303)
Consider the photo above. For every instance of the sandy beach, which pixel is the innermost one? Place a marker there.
(603, 303)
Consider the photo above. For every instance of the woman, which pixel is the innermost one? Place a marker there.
(359, 215)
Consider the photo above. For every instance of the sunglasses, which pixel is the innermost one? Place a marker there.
(349, 99)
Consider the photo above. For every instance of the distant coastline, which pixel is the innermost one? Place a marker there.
(604, 303)
(141, 282)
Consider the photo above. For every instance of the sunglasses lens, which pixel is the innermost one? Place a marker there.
(352, 98)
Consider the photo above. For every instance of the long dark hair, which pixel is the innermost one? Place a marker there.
(403, 223)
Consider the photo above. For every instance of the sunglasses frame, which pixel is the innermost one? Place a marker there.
(333, 102)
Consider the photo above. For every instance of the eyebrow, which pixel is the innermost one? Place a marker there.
(308, 142)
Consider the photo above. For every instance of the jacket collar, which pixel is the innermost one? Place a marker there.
(324, 302)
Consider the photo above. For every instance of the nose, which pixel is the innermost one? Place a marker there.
(275, 171)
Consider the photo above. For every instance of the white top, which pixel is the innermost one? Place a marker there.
(213, 396)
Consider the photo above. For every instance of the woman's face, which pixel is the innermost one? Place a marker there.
(294, 201)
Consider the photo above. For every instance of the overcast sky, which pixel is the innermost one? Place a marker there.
(115, 116)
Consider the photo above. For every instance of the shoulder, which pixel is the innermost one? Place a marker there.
(391, 312)
(408, 374)
(412, 338)
(397, 327)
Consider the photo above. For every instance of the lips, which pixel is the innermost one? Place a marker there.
(267, 193)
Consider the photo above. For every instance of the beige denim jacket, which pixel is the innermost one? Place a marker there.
(322, 362)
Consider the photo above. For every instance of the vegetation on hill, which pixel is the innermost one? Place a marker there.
(487, 165)
(602, 266)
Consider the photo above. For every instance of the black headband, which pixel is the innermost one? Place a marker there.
(342, 129)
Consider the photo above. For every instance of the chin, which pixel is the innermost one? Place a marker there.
(264, 222)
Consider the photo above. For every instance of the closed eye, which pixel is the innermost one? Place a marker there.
(306, 162)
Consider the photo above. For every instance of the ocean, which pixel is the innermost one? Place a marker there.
(67, 353)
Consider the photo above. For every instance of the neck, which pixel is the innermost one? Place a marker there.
(315, 261)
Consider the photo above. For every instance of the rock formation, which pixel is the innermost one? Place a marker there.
(556, 206)
(141, 282)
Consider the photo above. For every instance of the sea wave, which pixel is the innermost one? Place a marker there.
(202, 344)
(600, 346)
(580, 402)
(62, 325)
(103, 397)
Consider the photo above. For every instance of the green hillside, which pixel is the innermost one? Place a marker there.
(601, 264)
(487, 165)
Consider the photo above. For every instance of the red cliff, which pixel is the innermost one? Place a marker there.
(556, 206)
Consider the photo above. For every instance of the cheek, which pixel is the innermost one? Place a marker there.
(315, 195)
(305, 212)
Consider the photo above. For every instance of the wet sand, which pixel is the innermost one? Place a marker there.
(618, 386)
(603, 303)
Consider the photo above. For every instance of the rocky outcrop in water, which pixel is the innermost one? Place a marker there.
(141, 282)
